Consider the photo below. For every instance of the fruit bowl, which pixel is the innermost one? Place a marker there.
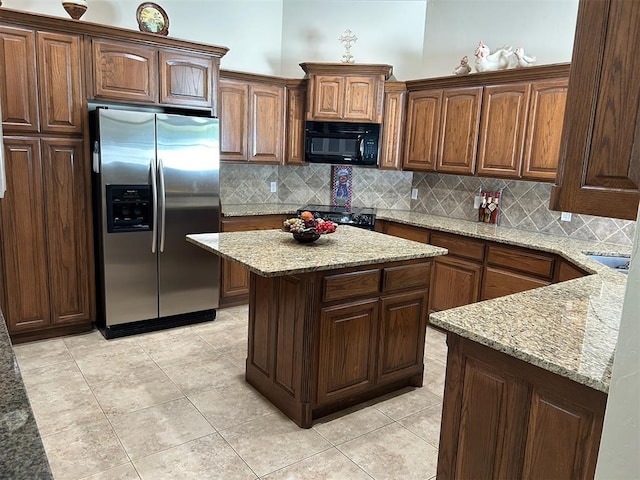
(306, 228)
(306, 237)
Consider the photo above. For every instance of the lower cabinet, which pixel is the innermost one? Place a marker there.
(505, 418)
(322, 341)
(456, 282)
(45, 219)
(234, 284)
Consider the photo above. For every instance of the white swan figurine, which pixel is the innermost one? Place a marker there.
(463, 68)
(487, 61)
(523, 60)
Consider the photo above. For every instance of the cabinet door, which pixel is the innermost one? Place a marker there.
(124, 71)
(459, 123)
(544, 129)
(296, 107)
(422, 129)
(60, 83)
(68, 226)
(600, 164)
(454, 282)
(348, 343)
(360, 99)
(266, 133)
(18, 92)
(24, 245)
(391, 146)
(327, 98)
(403, 322)
(187, 80)
(502, 130)
(498, 283)
(234, 118)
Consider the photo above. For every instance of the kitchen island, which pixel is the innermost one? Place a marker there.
(331, 323)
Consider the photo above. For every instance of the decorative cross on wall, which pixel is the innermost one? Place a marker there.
(348, 38)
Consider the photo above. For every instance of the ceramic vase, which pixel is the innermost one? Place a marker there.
(75, 8)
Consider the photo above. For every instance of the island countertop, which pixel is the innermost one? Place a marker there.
(272, 253)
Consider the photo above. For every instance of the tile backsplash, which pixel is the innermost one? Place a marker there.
(524, 204)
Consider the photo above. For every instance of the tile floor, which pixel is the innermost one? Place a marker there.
(174, 405)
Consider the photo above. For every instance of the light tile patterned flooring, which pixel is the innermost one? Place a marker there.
(174, 405)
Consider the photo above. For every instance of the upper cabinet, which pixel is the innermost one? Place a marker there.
(497, 124)
(252, 118)
(296, 108)
(344, 92)
(395, 97)
(131, 72)
(599, 173)
(42, 77)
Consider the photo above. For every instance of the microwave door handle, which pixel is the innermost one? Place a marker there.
(154, 201)
(361, 139)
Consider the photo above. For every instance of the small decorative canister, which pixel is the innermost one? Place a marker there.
(75, 8)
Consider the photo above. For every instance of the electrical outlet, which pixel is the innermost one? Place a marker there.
(565, 216)
(414, 194)
(274, 187)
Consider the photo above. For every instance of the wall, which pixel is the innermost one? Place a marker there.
(420, 38)
(618, 457)
(545, 28)
(388, 31)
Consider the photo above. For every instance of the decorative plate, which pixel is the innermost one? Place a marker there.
(152, 18)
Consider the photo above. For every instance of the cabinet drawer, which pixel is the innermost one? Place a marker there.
(258, 222)
(459, 246)
(526, 261)
(346, 285)
(409, 232)
(406, 276)
(498, 283)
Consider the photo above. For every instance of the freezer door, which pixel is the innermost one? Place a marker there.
(128, 266)
(188, 202)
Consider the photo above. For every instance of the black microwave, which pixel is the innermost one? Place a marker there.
(342, 143)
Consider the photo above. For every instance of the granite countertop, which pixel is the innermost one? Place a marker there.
(241, 210)
(23, 455)
(569, 328)
(280, 254)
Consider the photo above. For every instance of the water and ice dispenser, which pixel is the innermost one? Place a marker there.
(128, 208)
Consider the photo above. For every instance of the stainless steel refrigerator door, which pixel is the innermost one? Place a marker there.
(188, 183)
(127, 153)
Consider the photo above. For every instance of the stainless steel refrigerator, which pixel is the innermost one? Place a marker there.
(156, 179)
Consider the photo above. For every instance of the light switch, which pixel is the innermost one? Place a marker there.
(565, 216)
(414, 194)
(274, 187)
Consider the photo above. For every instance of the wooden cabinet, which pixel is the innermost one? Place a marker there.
(456, 282)
(395, 95)
(401, 230)
(600, 161)
(345, 92)
(459, 123)
(347, 350)
(47, 263)
(521, 129)
(123, 71)
(504, 418)
(544, 129)
(294, 127)
(234, 282)
(502, 130)
(442, 130)
(252, 120)
(189, 80)
(498, 124)
(512, 270)
(422, 129)
(42, 81)
(322, 341)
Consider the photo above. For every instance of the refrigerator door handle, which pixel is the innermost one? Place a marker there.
(154, 196)
(162, 197)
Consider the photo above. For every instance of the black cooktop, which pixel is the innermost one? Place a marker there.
(357, 216)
